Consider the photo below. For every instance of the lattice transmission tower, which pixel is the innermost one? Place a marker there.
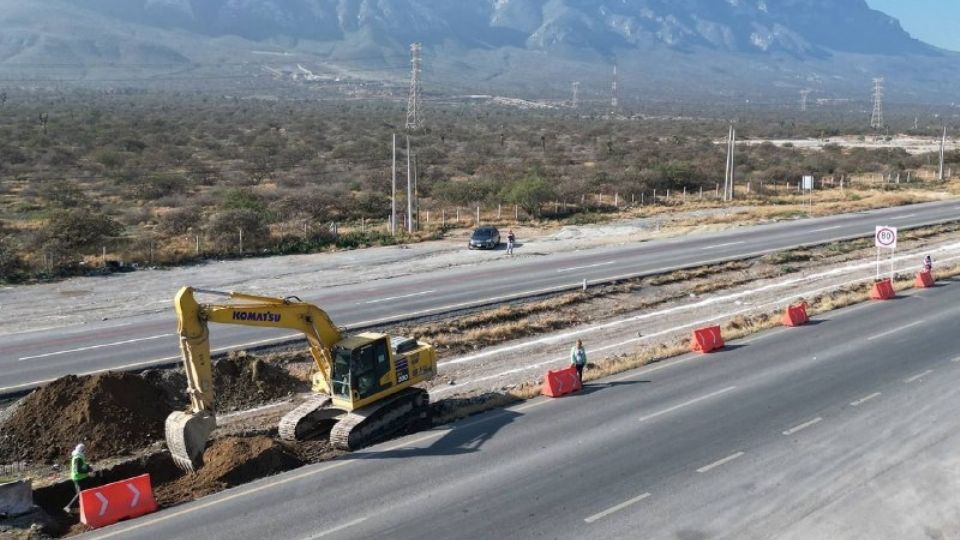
(876, 120)
(575, 98)
(804, 95)
(414, 108)
(615, 89)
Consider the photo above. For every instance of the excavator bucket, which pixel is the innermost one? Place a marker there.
(187, 436)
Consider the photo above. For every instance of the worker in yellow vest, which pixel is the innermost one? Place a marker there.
(80, 471)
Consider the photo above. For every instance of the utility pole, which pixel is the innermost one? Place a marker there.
(414, 119)
(393, 191)
(943, 147)
(876, 120)
(615, 90)
(729, 174)
(575, 100)
(804, 94)
(409, 190)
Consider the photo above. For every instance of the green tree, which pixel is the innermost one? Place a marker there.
(79, 230)
(531, 193)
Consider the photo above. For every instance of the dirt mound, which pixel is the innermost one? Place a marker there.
(112, 413)
(228, 462)
(243, 381)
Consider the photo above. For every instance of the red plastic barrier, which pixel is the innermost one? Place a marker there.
(882, 290)
(925, 280)
(706, 339)
(561, 382)
(108, 504)
(796, 315)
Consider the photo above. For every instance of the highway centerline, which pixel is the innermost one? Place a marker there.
(719, 462)
(802, 426)
(693, 401)
(895, 330)
(574, 268)
(825, 229)
(918, 376)
(728, 244)
(897, 218)
(616, 508)
(390, 299)
(339, 528)
(865, 399)
(94, 347)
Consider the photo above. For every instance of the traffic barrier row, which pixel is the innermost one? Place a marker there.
(796, 315)
(561, 382)
(882, 290)
(110, 503)
(707, 339)
(925, 280)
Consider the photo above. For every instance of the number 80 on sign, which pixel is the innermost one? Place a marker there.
(886, 237)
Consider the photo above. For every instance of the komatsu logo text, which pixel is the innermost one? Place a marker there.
(253, 316)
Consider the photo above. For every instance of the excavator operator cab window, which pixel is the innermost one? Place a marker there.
(341, 372)
(357, 373)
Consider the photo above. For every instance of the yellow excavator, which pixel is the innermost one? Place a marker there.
(363, 384)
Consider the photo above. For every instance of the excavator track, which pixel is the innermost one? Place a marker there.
(380, 421)
(312, 419)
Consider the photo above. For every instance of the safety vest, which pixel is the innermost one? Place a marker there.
(78, 469)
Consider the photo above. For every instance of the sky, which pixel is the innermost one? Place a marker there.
(933, 21)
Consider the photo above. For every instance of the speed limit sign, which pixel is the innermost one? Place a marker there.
(886, 237)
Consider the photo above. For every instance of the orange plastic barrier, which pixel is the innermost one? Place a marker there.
(706, 339)
(882, 290)
(108, 504)
(925, 280)
(796, 315)
(561, 382)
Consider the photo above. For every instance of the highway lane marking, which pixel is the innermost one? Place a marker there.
(616, 508)
(95, 347)
(339, 528)
(392, 298)
(918, 376)
(573, 268)
(895, 330)
(693, 401)
(267, 485)
(956, 360)
(802, 426)
(719, 462)
(728, 244)
(825, 229)
(895, 218)
(865, 399)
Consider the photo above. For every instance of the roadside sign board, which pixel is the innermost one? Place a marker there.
(808, 183)
(886, 237)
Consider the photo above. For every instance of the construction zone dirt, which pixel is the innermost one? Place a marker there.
(111, 413)
(228, 462)
(244, 381)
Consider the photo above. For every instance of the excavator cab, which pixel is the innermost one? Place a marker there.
(361, 368)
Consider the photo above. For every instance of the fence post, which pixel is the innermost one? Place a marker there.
(499, 207)
(478, 215)
(241, 240)
(616, 199)
(654, 197)
(516, 212)
(701, 193)
(443, 217)
(684, 194)
(458, 215)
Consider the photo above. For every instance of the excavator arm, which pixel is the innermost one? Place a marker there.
(187, 433)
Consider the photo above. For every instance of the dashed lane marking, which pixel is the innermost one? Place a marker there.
(616, 508)
(719, 462)
(865, 399)
(802, 426)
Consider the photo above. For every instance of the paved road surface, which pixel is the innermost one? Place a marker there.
(30, 358)
(846, 428)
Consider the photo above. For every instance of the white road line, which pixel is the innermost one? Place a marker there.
(392, 298)
(956, 360)
(825, 229)
(895, 330)
(804, 425)
(719, 462)
(616, 508)
(728, 244)
(865, 399)
(608, 263)
(687, 403)
(339, 528)
(895, 218)
(918, 376)
(94, 347)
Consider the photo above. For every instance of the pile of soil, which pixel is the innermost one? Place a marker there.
(229, 462)
(243, 382)
(111, 413)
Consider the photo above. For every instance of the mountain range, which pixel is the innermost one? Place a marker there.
(663, 47)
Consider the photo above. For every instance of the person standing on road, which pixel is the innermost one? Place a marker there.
(578, 357)
(511, 239)
(80, 470)
(927, 264)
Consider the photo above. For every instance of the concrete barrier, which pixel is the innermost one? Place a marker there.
(16, 498)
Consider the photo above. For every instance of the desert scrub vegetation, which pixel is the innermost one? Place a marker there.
(160, 179)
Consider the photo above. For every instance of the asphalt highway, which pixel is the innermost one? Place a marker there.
(28, 359)
(779, 435)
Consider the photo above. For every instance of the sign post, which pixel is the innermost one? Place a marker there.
(808, 187)
(885, 238)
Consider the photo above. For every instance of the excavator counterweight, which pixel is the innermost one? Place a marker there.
(364, 384)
